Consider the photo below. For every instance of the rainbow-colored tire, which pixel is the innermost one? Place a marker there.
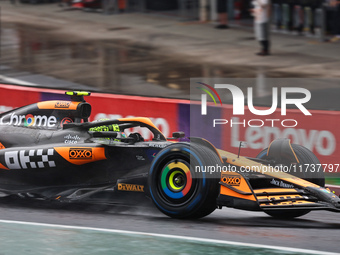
(176, 189)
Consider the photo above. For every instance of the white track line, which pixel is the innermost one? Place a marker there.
(333, 186)
(17, 81)
(186, 238)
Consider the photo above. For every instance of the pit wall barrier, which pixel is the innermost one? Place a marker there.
(318, 132)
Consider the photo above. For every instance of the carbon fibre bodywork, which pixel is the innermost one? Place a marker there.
(47, 150)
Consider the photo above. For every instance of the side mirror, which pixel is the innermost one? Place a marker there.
(177, 135)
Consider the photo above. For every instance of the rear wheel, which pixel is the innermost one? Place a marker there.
(305, 157)
(178, 183)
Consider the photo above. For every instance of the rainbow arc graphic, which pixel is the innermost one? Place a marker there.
(204, 97)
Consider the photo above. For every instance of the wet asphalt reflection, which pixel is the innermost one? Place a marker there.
(116, 66)
(38, 55)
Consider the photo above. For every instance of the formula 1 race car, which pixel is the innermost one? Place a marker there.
(50, 151)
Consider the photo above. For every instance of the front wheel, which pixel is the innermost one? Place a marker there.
(305, 157)
(179, 184)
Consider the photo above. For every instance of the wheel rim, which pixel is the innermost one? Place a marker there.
(176, 180)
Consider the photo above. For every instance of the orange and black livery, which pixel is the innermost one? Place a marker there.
(50, 150)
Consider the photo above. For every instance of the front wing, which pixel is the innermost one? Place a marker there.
(282, 191)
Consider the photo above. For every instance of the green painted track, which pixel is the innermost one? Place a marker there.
(41, 240)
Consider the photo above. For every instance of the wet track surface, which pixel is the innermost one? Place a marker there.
(316, 231)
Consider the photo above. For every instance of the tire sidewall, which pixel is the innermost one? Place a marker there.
(200, 182)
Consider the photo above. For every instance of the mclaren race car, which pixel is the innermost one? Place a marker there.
(49, 150)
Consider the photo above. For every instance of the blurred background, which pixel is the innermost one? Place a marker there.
(152, 48)
(138, 56)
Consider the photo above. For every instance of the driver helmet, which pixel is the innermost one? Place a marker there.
(111, 127)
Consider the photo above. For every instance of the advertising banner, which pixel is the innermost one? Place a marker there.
(317, 131)
(162, 112)
(16, 96)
